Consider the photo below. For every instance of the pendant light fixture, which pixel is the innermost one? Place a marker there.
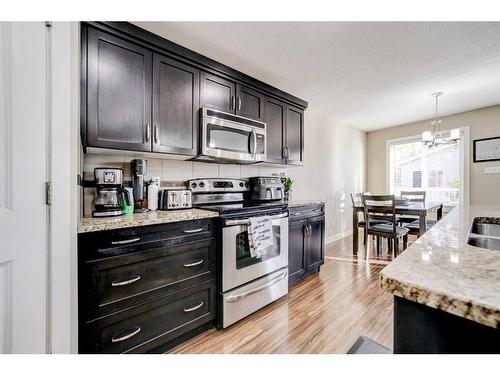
(434, 137)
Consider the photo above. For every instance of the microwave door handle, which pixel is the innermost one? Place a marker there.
(254, 151)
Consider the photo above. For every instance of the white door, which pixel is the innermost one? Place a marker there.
(23, 213)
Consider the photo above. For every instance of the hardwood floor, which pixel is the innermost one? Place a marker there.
(324, 314)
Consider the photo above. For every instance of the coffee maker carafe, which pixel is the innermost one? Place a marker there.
(111, 195)
(139, 170)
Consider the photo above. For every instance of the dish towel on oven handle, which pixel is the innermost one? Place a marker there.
(260, 235)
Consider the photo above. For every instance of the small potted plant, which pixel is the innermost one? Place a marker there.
(287, 183)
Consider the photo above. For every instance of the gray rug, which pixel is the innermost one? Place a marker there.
(365, 345)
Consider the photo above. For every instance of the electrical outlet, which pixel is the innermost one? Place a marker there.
(492, 170)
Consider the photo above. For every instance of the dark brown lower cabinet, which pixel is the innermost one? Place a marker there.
(306, 238)
(144, 289)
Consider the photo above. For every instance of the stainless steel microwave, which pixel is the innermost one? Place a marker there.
(230, 138)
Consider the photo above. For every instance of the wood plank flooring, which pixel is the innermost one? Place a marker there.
(324, 314)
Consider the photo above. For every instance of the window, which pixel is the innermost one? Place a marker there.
(438, 171)
(417, 179)
(435, 179)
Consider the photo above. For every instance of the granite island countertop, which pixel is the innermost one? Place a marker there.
(92, 224)
(442, 271)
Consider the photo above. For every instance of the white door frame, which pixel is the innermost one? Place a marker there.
(64, 156)
(465, 150)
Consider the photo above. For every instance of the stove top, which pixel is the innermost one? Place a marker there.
(244, 207)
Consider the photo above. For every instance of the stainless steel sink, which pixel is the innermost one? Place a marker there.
(485, 232)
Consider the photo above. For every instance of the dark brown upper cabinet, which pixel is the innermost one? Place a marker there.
(294, 135)
(217, 93)
(274, 117)
(176, 88)
(141, 92)
(285, 132)
(118, 93)
(249, 103)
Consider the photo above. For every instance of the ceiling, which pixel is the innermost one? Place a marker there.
(369, 75)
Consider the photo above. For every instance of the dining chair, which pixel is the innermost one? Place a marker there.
(356, 199)
(383, 208)
(412, 196)
(413, 222)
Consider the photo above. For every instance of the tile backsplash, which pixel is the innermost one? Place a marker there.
(168, 171)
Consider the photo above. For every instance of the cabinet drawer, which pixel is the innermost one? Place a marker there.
(146, 326)
(117, 283)
(99, 245)
(306, 211)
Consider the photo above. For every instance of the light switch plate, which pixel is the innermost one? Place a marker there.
(492, 170)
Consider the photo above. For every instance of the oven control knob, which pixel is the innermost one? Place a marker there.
(246, 184)
(193, 185)
(202, 184)
(241, 184)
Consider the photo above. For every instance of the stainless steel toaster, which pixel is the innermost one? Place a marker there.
(174, 199)
(266, 189)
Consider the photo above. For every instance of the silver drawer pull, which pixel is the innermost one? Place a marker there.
(187, 265)
(124, 242)
(189, 309)
(193, 230)
(297, 213)
(236, 297)
(317, 210)
(126, 336)
(126, 282)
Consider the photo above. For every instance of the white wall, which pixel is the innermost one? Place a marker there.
(334, 167)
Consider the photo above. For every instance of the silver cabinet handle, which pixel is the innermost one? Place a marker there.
(233, 102)
(297, 213)
(148, 132)
(193, 230)
(125, 242)
(187, 265)
(189, 309)
(239, 103)
(236, 297)
(317, 210)
(126, 336)
(283, 152)
(126, 282)
(156, 134)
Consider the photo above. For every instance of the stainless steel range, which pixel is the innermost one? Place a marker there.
(248, 283)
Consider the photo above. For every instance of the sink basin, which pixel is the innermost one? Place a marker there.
(485, 232)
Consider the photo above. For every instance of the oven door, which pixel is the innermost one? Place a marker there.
(228, 140)
(238, 266)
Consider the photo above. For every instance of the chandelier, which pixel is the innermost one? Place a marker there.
(435, 137)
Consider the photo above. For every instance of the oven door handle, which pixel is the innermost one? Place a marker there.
(236, 297)
(246, 221)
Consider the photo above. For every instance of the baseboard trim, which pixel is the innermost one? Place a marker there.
(338, 236)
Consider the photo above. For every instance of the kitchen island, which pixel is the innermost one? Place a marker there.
(447, 292)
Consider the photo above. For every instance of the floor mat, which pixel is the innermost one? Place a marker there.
(365, 345)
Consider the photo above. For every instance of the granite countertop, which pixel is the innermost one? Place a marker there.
(303, 202)
(92, 224)
(442, 271)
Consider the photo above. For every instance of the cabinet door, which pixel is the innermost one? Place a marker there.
(296, 251)
(315, 242)
(249, 103)
(295, 135)
(217, 93)
(274, 117)
(118, 93)
(176, 102)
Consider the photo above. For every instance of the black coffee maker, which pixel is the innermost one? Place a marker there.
(111, 196)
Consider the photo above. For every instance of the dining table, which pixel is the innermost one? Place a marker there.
(417, 209)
